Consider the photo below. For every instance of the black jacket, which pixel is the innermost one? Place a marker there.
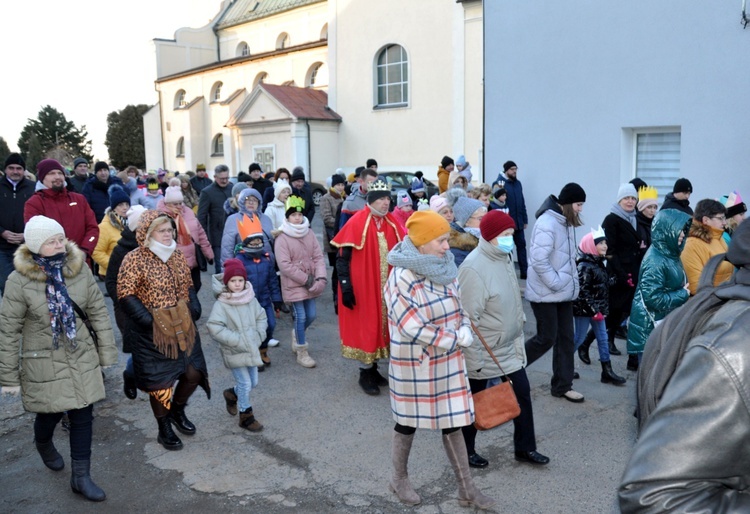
(125, 245)
(625, 260)
(211, 214)
(306, 193)
(13, 199)
(199, 184)
(594, 281)
(670, 202)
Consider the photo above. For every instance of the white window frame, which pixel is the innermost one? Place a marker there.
(243, 50)
(216, 92)
(180, 147)
(217, 140)
(283, 41)
(180, 99)
(404, 84)
(313, 74)
(661, 176)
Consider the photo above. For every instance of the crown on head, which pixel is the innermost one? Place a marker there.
(249, 226)
(379, 185)
(295, 202)
(647, 193)
(598, 233)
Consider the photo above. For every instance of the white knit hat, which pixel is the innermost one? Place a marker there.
(38, 230)
(625, 191)
(134, 216)
(173, 194)
(279, 186)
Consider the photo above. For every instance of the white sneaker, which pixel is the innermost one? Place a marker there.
(303, 359)
(573, 396)
(273, 343)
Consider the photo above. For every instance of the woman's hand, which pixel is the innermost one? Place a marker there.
(465, 337)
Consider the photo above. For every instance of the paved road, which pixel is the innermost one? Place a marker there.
(325, 447)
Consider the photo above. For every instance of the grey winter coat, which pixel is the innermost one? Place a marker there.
(239, 328)
(62, 379)
(491, 297)
(552, 274)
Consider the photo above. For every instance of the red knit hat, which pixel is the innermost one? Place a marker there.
(233, 268)
(46, 166)
(495, 223)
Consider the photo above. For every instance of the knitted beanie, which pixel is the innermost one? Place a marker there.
(117, 195)
(297, 174)
(571, 193)
(495, 223)
(134, 216)
(424, 226)
(417, 185)
(647, 196)
(38, 230)
(463, 206)
(337, 179)
(238, 188)
(79, 160)
(626, 190)
(14, 158)
(437, 203)
(45, 167)
(253, 167)
(446, 161)
(294, 204)
(461, 161)
(682, 185)
(247, 192)
(173, 194)
(403, 199)
(508, 165)
(233, 268)
(101, 165)
(280, 185)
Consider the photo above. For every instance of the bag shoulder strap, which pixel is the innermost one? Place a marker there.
(487, 347)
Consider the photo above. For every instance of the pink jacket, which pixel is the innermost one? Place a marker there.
(297, 258)
(197, 234)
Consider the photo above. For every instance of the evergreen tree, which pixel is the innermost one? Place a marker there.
(125, 140)
(53, 131)
(34, 153)
(4, 149)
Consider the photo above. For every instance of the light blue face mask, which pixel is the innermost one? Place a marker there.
(505, 244)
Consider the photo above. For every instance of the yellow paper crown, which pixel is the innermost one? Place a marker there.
(379, 185)
(647, 193)
(295, 202)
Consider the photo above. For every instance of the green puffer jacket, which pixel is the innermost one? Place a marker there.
(661, 282)
(62, 379)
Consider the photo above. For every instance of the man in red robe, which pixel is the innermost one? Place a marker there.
(364, 242)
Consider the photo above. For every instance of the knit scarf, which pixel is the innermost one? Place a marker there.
(243, 297)
(376, 212)
(441, 270)
(163, 252)
(61, 314)
(627, 216)
(183, 232)
(296, 231)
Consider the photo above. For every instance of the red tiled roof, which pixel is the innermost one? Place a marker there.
(302, 103)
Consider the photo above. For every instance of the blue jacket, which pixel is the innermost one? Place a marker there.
(515, 202)
(96, 194)
(261, 273)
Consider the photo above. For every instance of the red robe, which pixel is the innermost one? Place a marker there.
(364, 329)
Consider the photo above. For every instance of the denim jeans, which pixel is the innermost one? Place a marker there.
(81, 429)
(246, 379)
(304, 315)
(271, 316)
(600, 331)
(6, 267)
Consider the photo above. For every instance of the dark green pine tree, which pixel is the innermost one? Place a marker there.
(125, 140)
(53, 131)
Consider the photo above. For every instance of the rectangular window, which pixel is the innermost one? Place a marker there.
(264, 155)
(657, 159)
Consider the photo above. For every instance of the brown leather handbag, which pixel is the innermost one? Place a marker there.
(173, 329)
(497, 404)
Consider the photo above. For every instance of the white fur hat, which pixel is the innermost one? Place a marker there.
(134, 216)
(173, 194)
(38, 230)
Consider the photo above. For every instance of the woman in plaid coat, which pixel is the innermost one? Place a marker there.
(427, 375)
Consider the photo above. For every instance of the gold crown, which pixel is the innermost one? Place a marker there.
(379, 185)
(647, 193)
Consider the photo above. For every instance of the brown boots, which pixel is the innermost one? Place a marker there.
(248, 421)
(468, 494)
(400, 484)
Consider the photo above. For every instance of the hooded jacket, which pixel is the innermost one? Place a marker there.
(198, 238)
(298, 258)
(53, 380)
(71, 210)
(231, 236)
(703, 242)
(239, 326)
(97, 194)
(552, 274)
(460, 241)
(670, 202)
(594, 282)
(661, 284)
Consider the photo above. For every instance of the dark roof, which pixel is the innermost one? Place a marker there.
(243, 11)
(302, 103)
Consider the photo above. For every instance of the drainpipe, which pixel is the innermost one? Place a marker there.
(309, 148)
(161, 128)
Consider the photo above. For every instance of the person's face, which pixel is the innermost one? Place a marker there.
(366, 183)
(54, 180)
(81, 170)
(299, 183)
(436, 247)
(255, 175)
(14, 172)
(103, 174)
(739, 218)
(284, 176)
(284, 195)
(52, 246)
(174, 207)
(447, 213)
(461, 182)
(485, 199)
(133, 173)
(222, 178)
(628, 203)
(578, 207)
(163, 233)
(650, 211)
(406, 208)
(201, 173)
(476, 218)
(449, 168)
(682, 196)
(602, 247)
(382, 204)
(296, 218)
(251, 203)
(502, 198)
(419, 194)
(339, 188)
(121, 209)
(512, 172)
(256, 243)
(717, 221)
(236, 284)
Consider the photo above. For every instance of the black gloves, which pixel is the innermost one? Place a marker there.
(342, 269)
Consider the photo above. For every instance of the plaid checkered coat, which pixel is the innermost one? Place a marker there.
(429, 386)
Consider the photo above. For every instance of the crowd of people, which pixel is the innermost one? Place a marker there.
(409, 280)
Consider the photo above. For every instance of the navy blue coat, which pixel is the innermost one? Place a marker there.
(97, 195)
(515, 202)
(261, 273)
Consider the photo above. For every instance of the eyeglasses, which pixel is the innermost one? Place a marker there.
(164, 231)
(720, 217)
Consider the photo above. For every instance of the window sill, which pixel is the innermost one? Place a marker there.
(217, 154)
(389, 106)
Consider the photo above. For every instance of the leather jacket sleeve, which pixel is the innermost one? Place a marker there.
(136, 311)
(692, 453)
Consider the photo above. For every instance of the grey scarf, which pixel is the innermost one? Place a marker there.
(627, 216)
(439, 270)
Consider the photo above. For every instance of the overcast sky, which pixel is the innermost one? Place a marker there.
(85, 58)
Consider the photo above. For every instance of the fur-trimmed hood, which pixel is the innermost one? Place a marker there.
(462, 240)
(24, 262)
(704, 232)
(145, 225)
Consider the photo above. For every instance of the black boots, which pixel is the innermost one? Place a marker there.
(50, 456)
(177, 416)
(612, 348)
(167, 437)
(609, 377)
(128, 386)
(583, 350)
(81, 483)
(632, 362)
(248, 421)
(377, 378)
(367, 382)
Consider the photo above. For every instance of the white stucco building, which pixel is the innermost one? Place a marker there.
(602, 92)
(345, 80)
